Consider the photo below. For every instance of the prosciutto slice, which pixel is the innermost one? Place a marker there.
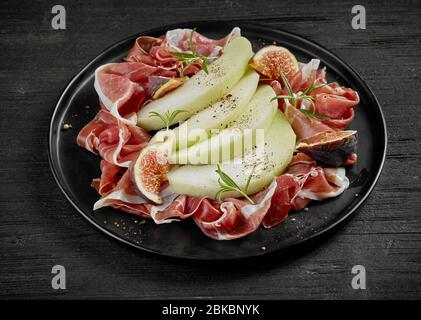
(110, 176)
(112, 140)
(115, 187)
(179, 39)
(302, 182)
(336, 102)
(121, 87)
(307, 75)
(332, 100)
(303, 126)
(317, 183)
(233, 218)
(154, 51)
(287, 188)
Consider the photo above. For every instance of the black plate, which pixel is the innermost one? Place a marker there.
(74, 167)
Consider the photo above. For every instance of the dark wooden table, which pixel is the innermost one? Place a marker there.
(39, 228)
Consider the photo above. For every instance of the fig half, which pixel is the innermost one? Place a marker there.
(271, 60)
(335, 148)
(149, 171)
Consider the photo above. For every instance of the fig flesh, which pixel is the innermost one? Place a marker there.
(271, 60)
(335, 148)
(149, 171)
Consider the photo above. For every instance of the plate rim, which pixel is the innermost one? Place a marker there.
(255, 27)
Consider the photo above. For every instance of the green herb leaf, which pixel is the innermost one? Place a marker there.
(249, 179)
(314, 114)
(303, 96)
(293, 97)
(191, 41)
(157, 114)
(205, 66)
(187, 58)
(282, 97)
(312, 88)
(167, 118)
(286, 84)
(182, 54)
(226, 179)
(309, 98)
(175, 114)
(226, 183)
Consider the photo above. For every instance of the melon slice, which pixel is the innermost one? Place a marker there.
(219, 114)
(277, 152)
(230, 142)
(202, 89)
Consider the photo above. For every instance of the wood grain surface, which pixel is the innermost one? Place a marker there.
(39, 228)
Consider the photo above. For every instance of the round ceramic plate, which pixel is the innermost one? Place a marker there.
(74, 167)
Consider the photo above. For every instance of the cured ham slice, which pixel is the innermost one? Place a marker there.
(318, 183)
(112, 140)
(116, 189)
(155, 51)
(120, 87)
(140, 52)
(303, 125)
(287, 188)
(303, 182)
(307, 75)
(110, 176)
(332, 100)
(122, 196)
(179, 39)
(337, 103)
(234, 218)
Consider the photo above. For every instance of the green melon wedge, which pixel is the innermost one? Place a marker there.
(277, 152)
(218, 115)
(230, 142)
(202, 89)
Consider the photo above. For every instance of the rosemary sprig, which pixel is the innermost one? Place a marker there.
(313, 87)
(293, 98)
(226, 183)
(193, 57)
(314, 114)
(246, 187)
(286, 84)
(168, 117)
